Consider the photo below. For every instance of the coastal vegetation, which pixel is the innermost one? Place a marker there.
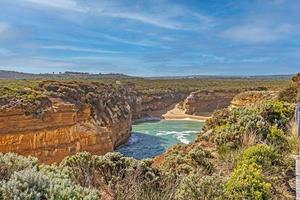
(29, 88)
(243, 153)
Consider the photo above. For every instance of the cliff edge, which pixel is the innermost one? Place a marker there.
(67, 118)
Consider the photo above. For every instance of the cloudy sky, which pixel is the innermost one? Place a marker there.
(151, 37)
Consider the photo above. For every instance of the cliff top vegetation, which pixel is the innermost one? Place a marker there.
(26, 88)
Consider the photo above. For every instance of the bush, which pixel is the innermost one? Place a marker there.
(201, 157)
(11, 162)
(110, 172)
(240, 123)
(219, 118)
(278, 139)
(277, 113)
(196, 187)
(182, 161)
(261, 155)
(81, 169)
(33, 184)
(247, 126)
(247, 182)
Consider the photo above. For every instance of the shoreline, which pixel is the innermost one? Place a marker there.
(175, 113)
(186, 117)
(178, 114)
(172, 117)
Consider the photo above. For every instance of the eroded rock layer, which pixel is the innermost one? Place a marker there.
(154, 105)
(205, 102)
(68, 117)
(76, 117)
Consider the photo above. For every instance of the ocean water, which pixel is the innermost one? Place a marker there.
(149, 139)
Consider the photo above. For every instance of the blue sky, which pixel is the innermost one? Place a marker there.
(151, 38)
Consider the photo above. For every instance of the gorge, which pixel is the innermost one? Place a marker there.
(126, 139)
(58, 119)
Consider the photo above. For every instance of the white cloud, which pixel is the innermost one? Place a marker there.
(258, 33)
(144, 18)
(58, 4)
(159, 14)
(118, 10)
(80, 49)
(3, 27)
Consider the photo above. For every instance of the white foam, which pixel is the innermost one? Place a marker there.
(175, 132)
(180, 135)
(182, 139)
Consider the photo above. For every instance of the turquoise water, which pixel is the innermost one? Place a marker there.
(150, 139)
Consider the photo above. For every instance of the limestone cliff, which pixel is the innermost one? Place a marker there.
(205, 102)
(156, 104)
(69, 117)
(76, 117)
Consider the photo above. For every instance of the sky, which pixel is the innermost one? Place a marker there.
(151, 37)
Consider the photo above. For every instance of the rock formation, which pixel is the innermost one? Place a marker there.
(63, 118)
(76, 117)
(69, 117)
(156, 104)
(205, 102)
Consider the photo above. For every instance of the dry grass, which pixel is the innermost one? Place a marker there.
(249, 139)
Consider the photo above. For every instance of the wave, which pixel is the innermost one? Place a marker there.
(180, 135)
(175, 132)
(182, 139)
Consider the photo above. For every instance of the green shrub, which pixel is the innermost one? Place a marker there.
(92, 170)
(11, 162)
(261, 155)
(247, 182)
(182, 161)
(111, 171)
(32, 184)
(277, 138)
(196, 186)
(201, 157)
(81, 168)
(219, 118)
(239, 125)
(277, 113)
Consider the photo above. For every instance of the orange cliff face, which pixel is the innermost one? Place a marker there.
(204, 103)
(96, 120)
(73, 117)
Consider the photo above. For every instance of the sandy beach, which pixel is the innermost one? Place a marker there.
(176, 113)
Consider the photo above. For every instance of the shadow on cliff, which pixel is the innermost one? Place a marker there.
(141, 145)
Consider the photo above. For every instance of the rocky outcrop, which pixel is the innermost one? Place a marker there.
(203, 103)
(58, 119)
(156, 104)
(76, 117)
(250, 98)
(67, 117)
